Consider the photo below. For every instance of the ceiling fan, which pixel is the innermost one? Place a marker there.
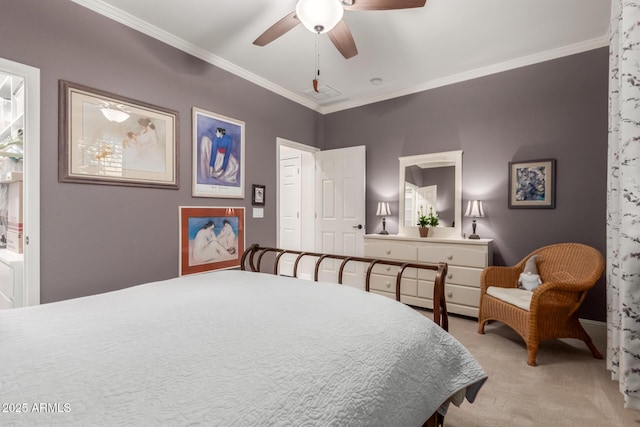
(325, 16)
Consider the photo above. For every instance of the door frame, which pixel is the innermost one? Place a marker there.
(31, 184)
(310, 217)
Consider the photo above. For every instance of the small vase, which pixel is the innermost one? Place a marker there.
(424, 231)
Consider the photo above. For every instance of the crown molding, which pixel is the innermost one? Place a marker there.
(474, 74)
(144, 27)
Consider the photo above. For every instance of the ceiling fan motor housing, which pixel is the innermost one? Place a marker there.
(319, 16)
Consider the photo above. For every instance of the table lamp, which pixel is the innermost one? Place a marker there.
(383, 210)
(474, 209)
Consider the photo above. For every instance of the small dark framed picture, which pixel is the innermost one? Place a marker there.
(258, 195)
(532, 184)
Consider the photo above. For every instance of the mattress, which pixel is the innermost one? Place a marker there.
(229, 348)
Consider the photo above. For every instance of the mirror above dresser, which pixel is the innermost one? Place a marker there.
(431, 182)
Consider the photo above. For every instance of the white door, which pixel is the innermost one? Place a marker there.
(340, 210)
(290, 219)
(31, 179)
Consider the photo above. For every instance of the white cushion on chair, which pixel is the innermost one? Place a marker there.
(519, 297)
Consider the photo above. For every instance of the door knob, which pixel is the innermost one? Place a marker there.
(359, 226)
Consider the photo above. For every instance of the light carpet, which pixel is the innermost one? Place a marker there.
(568, 388)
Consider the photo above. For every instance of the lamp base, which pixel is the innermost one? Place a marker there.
(474, 236)
(384, 227)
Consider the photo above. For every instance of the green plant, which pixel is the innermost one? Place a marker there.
(430, 220)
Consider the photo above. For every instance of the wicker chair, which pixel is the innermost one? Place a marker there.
(568, 271)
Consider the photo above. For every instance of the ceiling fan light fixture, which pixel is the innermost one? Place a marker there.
(319, 16)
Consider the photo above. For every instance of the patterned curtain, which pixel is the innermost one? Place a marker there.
(623, 201)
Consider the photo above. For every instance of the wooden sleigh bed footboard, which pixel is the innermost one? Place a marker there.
(252, 260)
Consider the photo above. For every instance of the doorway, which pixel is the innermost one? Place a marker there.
(21, 126)
(296, 202)
(320, 207)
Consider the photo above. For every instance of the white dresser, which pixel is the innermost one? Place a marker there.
(465, 258)
(11, 287)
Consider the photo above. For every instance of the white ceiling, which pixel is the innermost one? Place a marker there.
(410, 50)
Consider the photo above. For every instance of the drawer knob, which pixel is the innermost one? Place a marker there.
(449, 256)
(388, 268)
(449, 276)
(388, 284)
(449, 294)
(388, 251)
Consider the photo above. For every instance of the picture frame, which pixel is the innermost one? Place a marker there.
(110, 139)
(210, 238)
(532, 184)
(221, 175)
(258, 195)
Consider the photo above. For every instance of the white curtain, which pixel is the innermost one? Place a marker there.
(623, 201)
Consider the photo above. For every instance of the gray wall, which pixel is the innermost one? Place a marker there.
(99, 238)
(556, 109)
(96, 238)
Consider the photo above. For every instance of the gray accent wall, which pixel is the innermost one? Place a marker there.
(556, 109)
(97, 238)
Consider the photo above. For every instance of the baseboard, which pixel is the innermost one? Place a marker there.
(597, 331)
(593, 324)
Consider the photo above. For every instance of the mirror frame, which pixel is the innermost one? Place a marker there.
(447, 158)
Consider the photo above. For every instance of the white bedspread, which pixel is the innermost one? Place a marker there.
(229, 348)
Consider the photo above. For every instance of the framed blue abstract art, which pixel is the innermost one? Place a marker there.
(532, 184)
(218, 155)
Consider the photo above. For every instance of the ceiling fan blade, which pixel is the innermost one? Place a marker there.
(382, 4)
(343, 40)
(276, 30)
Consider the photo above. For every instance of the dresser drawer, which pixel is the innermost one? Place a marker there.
(456, 275)
(425, 289)
(462, 295)
(388, 284)
(391, 250)
(459, 254)
(6, 280)
(392, 270)
(453, 294)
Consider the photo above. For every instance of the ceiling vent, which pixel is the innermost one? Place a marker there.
(324, 92)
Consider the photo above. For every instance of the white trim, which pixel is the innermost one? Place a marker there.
(445, 158)
(144, 27)
(31, 190)
(474, 74)
(291, 144)
(593, 323)
(296, 145)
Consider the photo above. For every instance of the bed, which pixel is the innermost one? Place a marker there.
(230, 348)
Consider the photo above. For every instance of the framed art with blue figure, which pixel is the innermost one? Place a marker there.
(218, 155)
(211, 238)
(532, 184)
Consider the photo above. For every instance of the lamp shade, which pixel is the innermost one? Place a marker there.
(474, 209)
(383, 209)
(319, 16)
